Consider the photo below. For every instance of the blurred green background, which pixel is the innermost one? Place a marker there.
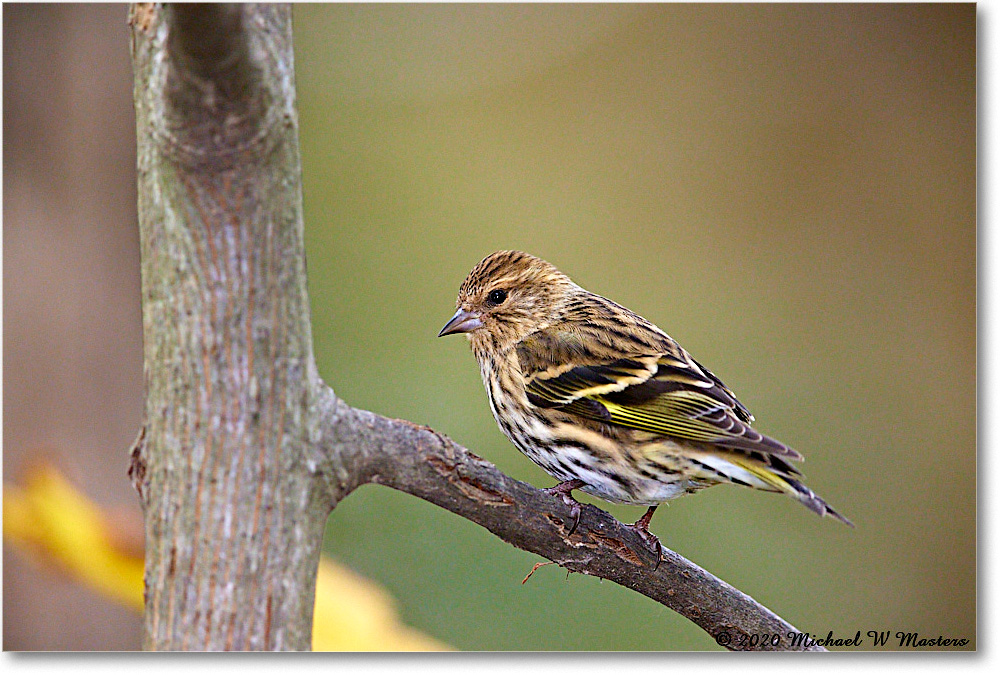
(788, 190)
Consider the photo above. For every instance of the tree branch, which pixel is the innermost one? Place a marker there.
(245, 450)
(419, 461)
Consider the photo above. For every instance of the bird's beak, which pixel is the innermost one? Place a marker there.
(462, 322)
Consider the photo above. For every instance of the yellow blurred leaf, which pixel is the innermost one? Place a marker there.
(355, 614)
(48, 518)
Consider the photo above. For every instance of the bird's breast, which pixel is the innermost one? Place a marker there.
(509, 404)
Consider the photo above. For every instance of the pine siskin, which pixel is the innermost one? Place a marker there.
(605, 401)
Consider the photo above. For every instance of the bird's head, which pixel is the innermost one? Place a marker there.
(506, 297)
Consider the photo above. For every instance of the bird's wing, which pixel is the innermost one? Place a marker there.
(576, 369)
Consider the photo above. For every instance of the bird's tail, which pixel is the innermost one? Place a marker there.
(775, 476)
(814, 502)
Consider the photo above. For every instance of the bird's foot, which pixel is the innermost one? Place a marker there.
(565, 490)
(641, 528)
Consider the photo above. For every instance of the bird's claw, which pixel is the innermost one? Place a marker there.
(565, 491)
(574, 512)
(652, 541)
(641, 527)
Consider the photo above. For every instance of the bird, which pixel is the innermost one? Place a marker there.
(605, 401)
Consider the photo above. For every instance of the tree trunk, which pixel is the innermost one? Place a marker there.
(235, 506)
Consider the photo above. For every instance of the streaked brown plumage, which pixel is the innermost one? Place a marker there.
(605, 401)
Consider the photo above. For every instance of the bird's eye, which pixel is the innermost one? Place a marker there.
(496, 297)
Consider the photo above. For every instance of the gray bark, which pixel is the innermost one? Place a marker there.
(245, 451)
(234, 504)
